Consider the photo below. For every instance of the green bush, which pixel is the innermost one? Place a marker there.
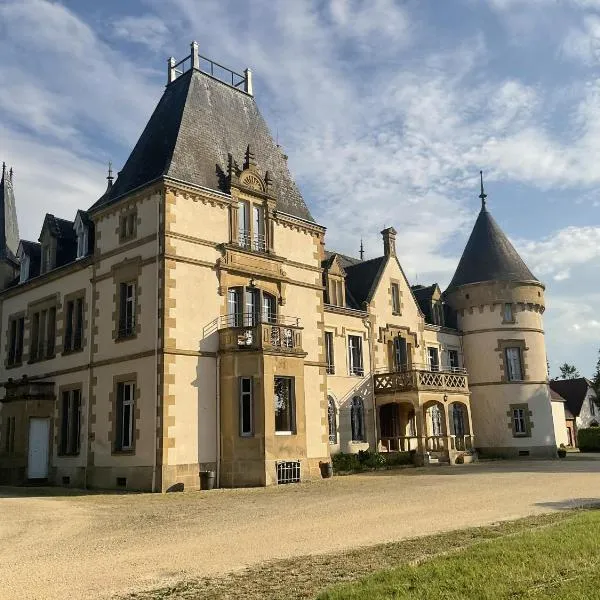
(588, 440)
(367, 460)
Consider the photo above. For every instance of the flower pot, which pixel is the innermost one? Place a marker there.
(207, 480)
(562, 453)
(326, 469)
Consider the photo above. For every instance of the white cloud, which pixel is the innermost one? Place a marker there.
(583, 43)
(147, 30)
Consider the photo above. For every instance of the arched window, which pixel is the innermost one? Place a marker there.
(269, 308)
(458, 419)
(331, 420)
(357, 419)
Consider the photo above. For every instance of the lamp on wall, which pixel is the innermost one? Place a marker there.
(252, 283)
(445, 397)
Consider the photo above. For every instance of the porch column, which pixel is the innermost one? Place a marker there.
(421, 428)
(446, 408)
(472, 437)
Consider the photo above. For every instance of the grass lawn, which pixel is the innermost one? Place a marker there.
(547, 556)
(561, 561)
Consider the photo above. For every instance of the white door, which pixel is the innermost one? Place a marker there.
(39, 446)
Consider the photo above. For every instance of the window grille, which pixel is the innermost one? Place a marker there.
(288, 471)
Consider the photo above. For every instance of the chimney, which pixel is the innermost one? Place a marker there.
(248, 82)
(171, 70)
(194, 55)
(389, 241)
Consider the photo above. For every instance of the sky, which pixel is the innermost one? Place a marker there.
(387, 110)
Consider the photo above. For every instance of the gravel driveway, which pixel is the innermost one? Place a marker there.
(96, 545)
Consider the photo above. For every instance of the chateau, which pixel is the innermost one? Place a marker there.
(192, 319)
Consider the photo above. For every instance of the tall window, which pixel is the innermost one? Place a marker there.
(43, 334)
(251, 305)
(15, 342)
(125, 416)
(258, 225)
(453, 359)
(514, 370)
(458, 419)
(400, 354)
(434, 358)
(246, 407)
(127, 293)
(332, 420)
(9, 442)
(355, 358)
(127, 226)
(435, 414)
(395, 299)
(284, 404)
(82, 239)
(508, 313)
(244, 224)
(269, 308)
(329, 352)
(519, 421)
(234, 303)
(592, 407)
(73, 325)
(357, 419)
(437, 313)
(46, 258)
(70, 422)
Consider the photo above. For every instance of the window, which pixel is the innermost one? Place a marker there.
(592, 407)
(437, 313)
(412, 423)
(513, 364)
(234, 302)
(43, 335)
(46, 258)
(434, 358)
(269, 310)
(16, 334)
(357, 419)
(246, 408)
(73, 338)
(435, 414)
(9, 442)
(355, 359)
(453, 360)
(395, 299)
(127, 309)
(128, 226)
(125, 416)
(332, 420)
(329, 352)
(258, 234)
(251, 310)
(519, 421)
(508, 313)
(284, 405)
(400, 354)
(24, 269)
(82, 241)
(244, 224)
(458, 419)
(70, 422)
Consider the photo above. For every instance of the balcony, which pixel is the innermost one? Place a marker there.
(255, 243)
(422, 378)
(257, 332)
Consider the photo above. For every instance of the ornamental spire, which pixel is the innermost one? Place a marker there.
(362, 250)
(109, 177)
(483, 195)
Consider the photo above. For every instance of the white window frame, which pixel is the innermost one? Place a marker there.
(329, 353)
(395, 288)
(519, 422)
(332, 429)
(453, 352)
(508, 313)
(127, 403)
(514, 363)
(433, 367)
(355, 369)
(24, 268)
(246, 395)
(292, 406)
(127, 324)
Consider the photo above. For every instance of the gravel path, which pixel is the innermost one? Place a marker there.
(96, 545)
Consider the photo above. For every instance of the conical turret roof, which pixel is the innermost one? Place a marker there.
(197, 123)
(489, 256)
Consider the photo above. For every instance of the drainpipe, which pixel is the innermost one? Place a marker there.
(369, 326)
(218, 423)
(156, 343)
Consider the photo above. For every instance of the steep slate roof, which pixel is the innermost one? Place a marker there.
(196, 124)
(489, 256)
(573, 391)
(362, 278)
(9, 228)
(66, 237)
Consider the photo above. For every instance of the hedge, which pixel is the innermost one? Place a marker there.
(588, 440)
(366, 460)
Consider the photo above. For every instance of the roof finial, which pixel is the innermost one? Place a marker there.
(110, 175)
(362, 250)
(249, 158)
(483, 195)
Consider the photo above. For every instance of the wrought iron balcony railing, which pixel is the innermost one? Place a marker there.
(256, 242)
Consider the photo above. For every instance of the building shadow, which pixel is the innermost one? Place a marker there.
(571, 503)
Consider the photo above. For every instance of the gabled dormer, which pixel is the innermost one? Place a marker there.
(84, 232)
(334, 280)
(58, 243)
(29, 255)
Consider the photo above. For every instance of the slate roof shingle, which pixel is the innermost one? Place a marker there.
(573, 391)
(197, 123)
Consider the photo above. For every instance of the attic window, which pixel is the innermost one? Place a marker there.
(24, 270)
(128, 226)
(47, 258)
(82, 240)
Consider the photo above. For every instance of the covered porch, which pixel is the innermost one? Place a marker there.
(436, 427)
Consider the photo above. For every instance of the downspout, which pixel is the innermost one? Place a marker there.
(369, 326)
(218, 423)
(156, 343)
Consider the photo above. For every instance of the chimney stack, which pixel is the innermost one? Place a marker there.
(248, 82)
(389, 241)
(170, 70)
(194, 55)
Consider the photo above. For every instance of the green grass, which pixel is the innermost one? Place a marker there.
(304, 577)
(561, 561)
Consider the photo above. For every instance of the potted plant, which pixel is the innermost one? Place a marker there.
(562, 451)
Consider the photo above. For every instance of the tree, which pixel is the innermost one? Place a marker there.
(596, 378)
(568, 371)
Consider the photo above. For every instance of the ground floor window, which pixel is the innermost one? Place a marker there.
(70, 422)
(357, 419)
(125, 415)
(331, 420)
(246, 421)
(435, 415)
(285, 418)
(458, 419)
(519, 421)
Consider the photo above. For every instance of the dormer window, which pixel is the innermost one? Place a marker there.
(82, 240)
(128, 226)
(251, 231)
(47, 262)
(24, 270)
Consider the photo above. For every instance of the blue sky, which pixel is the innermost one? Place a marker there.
(387, 110)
